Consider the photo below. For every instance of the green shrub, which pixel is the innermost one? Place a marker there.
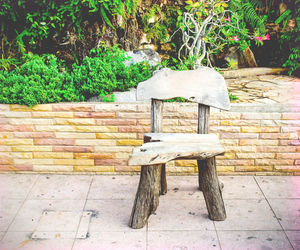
(104, 71)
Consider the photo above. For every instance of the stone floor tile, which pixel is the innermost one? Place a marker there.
(240, 187)
(248, 215)
(110, 215)
(31, 212)
(16, 186)
(294, 237)
(114, 187)
(258, 240)
(279, 186)
(180, 215)
(8, 210)
(288, 212)
(23, 240)
(183, 187)
(112, 240)
(182, 240)
(61, 187)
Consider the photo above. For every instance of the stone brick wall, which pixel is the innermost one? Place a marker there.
(85, 137)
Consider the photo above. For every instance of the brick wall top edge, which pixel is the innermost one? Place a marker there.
(235, 107)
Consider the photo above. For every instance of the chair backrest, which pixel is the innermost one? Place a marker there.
(203, 85)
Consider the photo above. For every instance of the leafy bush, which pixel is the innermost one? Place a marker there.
(39, 79)
(104, 71)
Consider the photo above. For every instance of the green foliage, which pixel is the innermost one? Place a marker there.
(40, 80)
(37, 81)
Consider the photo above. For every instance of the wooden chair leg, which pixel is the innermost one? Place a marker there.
(211, 190)
(201, 164)
(163, 186)
(147, 196)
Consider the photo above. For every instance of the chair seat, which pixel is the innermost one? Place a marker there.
(159, 148)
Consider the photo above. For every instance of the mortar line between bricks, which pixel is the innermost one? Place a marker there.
(38, 177)
(274, 213)
(92, 180)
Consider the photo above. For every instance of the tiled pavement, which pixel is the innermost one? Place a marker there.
(39, 212)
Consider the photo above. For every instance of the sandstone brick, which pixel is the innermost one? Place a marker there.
(116, 122)
(134, 129)
(135, 115)
(288, 129)
(146, 107)
(110, 107)
(4, 107)
(292, 123)
(252, 129)
(240, 149)
(140, 136)
(76, 135)
(75, 149)
(234, 162)
(246, 142)
(55, 128)
(77, 162)
(288, 168)
(278, 136)
(168, 122)
(266, 162)
(253, 168)
(113, 149)
(52, 168)
(290, 116)
(96, 129)
(180, 129)
(12, 114)
(276, 149)
(227, 155)
(22, 155)
(294, 143)
(255, 155)
(6, 161)
(33, 161)
(288, 156)
(238, 135)
(6, 135)
(52, 114)
(180, 115)
(186, 163)
(74, 121)
(297, 162)
(129, 169)
(297, 149)
(233, 129)
(94, 142)
(116, 135)
(16, 167)
(13, 142)
(94, 168)
(284, 142)
(53, 155)
(40, 107)
(110, 162)
(260, 116)
(225, 116)
(240, 122)
(34, 134)
(19, 128)
(181, 170)
(51, 141)
(229, 142)
(95, 114)
(30, 121)
(129, 142)
(225, 168)
(5, 148)
(73, 107)
(28, 148)
(4, 121)
(94, 156)
(122, 155)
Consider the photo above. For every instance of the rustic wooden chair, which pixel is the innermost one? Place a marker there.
(206, 87)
